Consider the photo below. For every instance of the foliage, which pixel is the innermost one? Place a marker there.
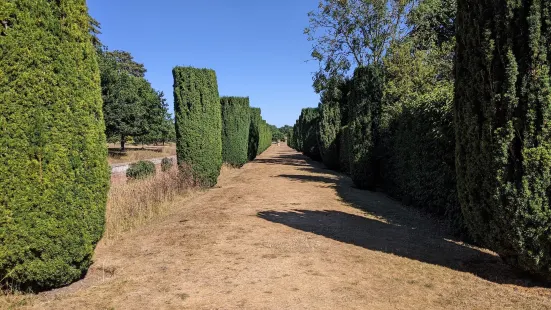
(198, 122)
(265, 137)
(54, 175)
(352, 33)
(330, 122)
(344, 149)
(142, 170)
(308, 124)
(236, 121)
(365, 112)
(503, 142)
(254, 133)
(166, 164)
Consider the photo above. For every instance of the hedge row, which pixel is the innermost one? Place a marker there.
(260, 134)
(406, 118)
(54, 175)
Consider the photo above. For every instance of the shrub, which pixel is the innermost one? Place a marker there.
(330, 123)
(198, 122)
(503, 142)
(236, 121)
(54, 175)
(166, 164)
(254, 133)
(141, 170)
(265, 137)
(309, 130)
(344, 149)
(365, 110)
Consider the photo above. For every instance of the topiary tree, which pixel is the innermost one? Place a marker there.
(330, 123)
(236, 121)
(54, 175)
(198, 122)
(364, 116)
(309, 130)
(254, 133)
(503, 142)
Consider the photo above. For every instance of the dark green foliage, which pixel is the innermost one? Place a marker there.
(365, 111)
(344, 149)
(330, 122)
(198, 122)
(254, 133)
(236, 121)
(503, 142)
(308, 132)
(142, 170)
(265, 137)
(54, 175)
(166, 164)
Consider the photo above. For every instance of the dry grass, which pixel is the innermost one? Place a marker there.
(133, 203)
(137, 153)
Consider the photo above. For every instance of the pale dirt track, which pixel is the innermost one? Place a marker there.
(284, 233)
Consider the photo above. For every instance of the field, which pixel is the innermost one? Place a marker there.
(311, 241)
(139, 152)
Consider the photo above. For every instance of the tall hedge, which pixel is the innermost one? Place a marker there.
(330, 123)
(503, 142)
(54, 175)
(236, 122)
(264, 137)
(364, 116)
(198, 122)
(309, 131)
(254, 133)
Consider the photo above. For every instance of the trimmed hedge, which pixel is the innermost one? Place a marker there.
(503, 133)
(198, 123)
(265, 137)
(330, 123)
(141, 170)
(54, 175)
(309, 131)
(254, 133)
(236, 121)
(365, 110)
(344, 149)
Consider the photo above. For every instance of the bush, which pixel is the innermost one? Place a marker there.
(265, 137)
(254, 133)
(141, 170)
(344, 149)
(236, 121)
(365, 110)
(503, 133)
(166, 164)
(54, 175)
(330, 123)
(309, 130)
(198, 122)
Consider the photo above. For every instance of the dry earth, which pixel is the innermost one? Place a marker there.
(284, 233)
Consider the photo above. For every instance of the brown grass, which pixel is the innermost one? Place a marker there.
(133, 203)
(137, 153)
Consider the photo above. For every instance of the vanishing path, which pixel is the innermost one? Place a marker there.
(284, 233)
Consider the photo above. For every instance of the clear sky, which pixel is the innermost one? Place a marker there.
(257, 47)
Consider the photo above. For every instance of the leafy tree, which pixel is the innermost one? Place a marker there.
(54, 175)
(126, 63)
(352, 33)
(503, 133)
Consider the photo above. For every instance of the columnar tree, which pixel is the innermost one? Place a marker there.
(198, 122)
(236, 122)
(254, 133)
(54, 175)
(364, 117)
(503, 137)
(309, 131)
(330, 122)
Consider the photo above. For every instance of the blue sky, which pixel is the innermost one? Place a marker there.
(257, 47)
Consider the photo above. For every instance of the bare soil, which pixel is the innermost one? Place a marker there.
(285, 233)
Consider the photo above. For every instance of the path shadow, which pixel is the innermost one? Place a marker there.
(287, 160)
(401, 231)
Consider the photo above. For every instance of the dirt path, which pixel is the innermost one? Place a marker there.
(284, 233)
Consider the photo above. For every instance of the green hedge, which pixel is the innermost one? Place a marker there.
(236, 121)
(198, 122)
(330, 123)
(309, 131)
(54, 175)
(503, 133)
(141, 170)
(344, 149)
(254, 133)
(365, 109)
(265, 137)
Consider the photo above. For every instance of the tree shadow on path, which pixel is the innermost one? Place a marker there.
(394, 229)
